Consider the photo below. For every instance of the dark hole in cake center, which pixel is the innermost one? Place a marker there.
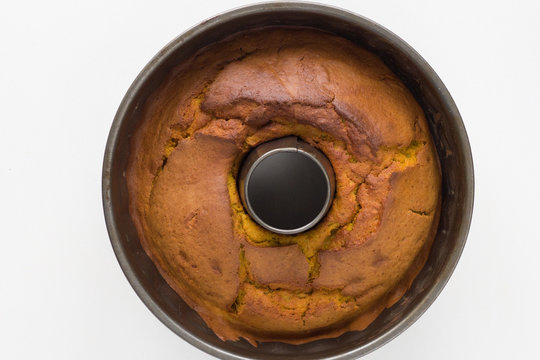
(287, 190)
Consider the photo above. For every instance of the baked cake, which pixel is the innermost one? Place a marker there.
(245, 281)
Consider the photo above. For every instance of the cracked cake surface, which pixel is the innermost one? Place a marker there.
(243, 280)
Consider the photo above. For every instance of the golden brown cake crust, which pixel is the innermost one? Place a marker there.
(242, 279)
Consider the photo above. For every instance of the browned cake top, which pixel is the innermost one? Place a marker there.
(254, 87)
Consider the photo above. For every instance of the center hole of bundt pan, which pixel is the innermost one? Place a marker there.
(286, 185)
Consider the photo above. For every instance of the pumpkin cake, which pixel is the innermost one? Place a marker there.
(243, 280)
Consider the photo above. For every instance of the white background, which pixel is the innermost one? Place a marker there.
(64, 68)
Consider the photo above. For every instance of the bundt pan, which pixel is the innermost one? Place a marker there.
(447, 130)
